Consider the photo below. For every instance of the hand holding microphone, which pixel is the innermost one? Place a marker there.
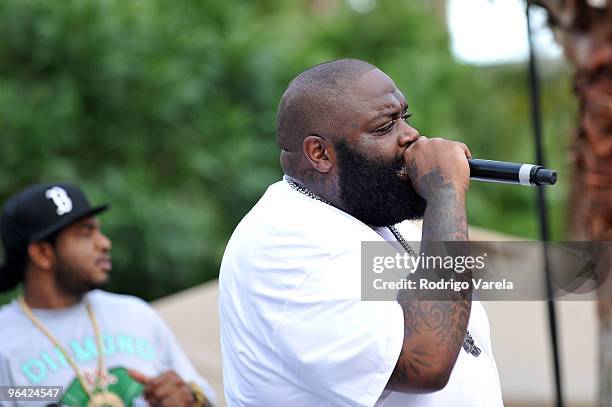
(436, 153)
(435, 165)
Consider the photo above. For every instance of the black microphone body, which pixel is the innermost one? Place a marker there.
(511, 173)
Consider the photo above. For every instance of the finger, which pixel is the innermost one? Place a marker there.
(177, 399)
(165, 390)
(420, 140)
(465, 149)
(166, 384)
(174, 395)
(139, 377)
(165, 377)
(173, 401)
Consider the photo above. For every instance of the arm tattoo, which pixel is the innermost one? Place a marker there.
(434, 328)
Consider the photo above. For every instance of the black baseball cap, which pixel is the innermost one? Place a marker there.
(38, 212)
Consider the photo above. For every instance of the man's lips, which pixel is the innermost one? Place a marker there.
(403, 172)
(104, 263)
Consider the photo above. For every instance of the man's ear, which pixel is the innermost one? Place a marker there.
(42, 255)
(319, 153)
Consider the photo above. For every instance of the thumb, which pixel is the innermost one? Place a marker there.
(139, 377)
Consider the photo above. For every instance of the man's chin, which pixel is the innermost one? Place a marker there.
(387, 220)
(392, 215)
(98, 283)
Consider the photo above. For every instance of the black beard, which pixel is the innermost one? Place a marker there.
(71, 282)
(372, 191)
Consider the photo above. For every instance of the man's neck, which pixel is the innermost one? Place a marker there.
(324, 189)
(48, 296)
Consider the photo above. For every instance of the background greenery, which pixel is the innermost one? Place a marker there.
(167, 109)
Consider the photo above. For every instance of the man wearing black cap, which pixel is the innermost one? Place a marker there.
(102, 348)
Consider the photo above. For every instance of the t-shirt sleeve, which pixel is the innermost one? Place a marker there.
(335, 345)
(177, 360)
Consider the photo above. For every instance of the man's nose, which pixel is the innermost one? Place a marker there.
(104, 243)
(408, 135)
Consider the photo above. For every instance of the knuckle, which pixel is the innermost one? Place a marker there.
(459, 147)
(417, 145)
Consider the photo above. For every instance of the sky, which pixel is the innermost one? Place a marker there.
(495, 31)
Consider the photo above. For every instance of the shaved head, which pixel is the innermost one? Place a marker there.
(342, 127)
(315, 103)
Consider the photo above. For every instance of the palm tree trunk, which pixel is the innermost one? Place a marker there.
(584, 29)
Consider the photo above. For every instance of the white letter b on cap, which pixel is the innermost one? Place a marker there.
(60, 199)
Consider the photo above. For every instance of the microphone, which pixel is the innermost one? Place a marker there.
(511, 173)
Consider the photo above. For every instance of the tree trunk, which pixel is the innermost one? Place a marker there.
(584, 29)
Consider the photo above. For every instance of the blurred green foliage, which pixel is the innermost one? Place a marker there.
(167, 110)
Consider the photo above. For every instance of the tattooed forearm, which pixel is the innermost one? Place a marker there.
(434, 327)
(445, 218)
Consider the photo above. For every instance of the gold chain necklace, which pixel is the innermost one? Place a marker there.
(100, 396)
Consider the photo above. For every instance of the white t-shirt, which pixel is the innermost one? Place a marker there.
(294, 331)
(133, 337)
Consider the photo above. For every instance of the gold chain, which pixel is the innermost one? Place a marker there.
(28, 312)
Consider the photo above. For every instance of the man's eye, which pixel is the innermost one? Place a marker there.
(406, 116)
(386, 128)
(86, 230)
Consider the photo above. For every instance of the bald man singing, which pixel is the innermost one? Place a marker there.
(294, 328)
